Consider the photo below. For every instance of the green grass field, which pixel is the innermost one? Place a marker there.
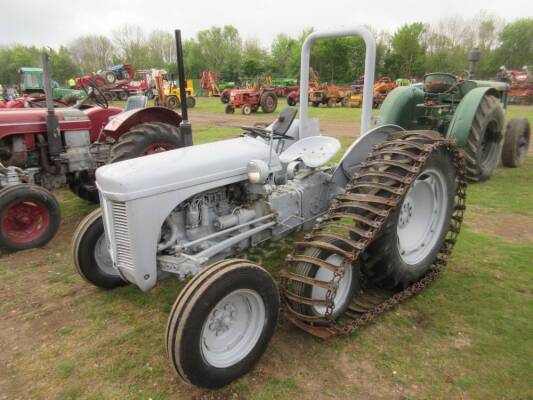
(468, 336)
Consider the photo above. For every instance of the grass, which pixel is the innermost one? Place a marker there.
(467, 336)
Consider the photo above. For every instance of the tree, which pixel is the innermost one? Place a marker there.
(91, 52)
(281, 51)
(516, 48)
(132, 47)
(62, 66)
(406, 57)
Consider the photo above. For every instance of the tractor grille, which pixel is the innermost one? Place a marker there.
(121, 234)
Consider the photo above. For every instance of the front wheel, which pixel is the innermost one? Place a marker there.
(221, 323)
(90, 253)
(229, 109)
(191, 102)
(246, 109)
(123, 96)
(29, 217)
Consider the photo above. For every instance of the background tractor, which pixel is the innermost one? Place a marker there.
(330, 95)
(249, 100)
(469, 111)
(168, 94)
(383, 222)
(44, 149)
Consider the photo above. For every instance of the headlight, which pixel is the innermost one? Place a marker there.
(257, 171)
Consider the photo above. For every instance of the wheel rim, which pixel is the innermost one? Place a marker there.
(343, 290)
(232, 328)
(422, 216)
(102, 256)
(158, 148)
(25, 221)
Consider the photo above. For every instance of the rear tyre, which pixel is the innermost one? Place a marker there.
(221, 323)
(191, 102)
(145, 139)
(315, 103)
(110, 77)
(413, 235)
(331, 102)
(29, 217)
(224, 98)
(516, 143)
(291, 101)
(345, 102)
(484, 143)
(269, 102)
(90, 253)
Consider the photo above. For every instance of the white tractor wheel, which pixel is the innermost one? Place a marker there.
(221, 323)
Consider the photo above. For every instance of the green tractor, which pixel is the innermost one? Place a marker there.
(31, 82)
(469, 111)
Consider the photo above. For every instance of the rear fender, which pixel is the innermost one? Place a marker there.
(359, 150)
(461, 123)
(123, 122)
(400, 107)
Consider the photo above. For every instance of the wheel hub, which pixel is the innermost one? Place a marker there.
(222, 318)
(25, 221)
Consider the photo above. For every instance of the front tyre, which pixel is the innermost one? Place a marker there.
(221, 323)
(90, 253)
(29, 217)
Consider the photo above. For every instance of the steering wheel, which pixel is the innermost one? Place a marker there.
(94, 92)
(264, 133)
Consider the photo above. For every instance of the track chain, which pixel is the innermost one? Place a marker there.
(355, 220)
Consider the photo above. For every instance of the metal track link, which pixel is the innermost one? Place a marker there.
(354, 220)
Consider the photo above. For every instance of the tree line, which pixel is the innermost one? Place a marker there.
(409, 52)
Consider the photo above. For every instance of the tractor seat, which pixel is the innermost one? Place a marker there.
(284, 121)
(314, 151)
(135, 102)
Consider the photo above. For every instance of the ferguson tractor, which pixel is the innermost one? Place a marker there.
(42, 149)
(380, 225)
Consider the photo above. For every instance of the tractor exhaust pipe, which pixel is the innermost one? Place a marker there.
(473, 57)
(55, 145)
(185, 126)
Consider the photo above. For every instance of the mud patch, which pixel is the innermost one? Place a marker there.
(509, 227)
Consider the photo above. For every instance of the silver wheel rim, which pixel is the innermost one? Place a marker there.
(343, 290)
(233, 328)
(102, 256)
(422, 216)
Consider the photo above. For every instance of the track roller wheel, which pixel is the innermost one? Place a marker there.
(29, 217)
(90, 253)
(221, 323)
(484, 143)
(516, 143)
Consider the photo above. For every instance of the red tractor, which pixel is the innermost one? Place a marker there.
(42, 149)
(249, 100)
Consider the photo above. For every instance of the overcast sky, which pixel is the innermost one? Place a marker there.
(55, 22)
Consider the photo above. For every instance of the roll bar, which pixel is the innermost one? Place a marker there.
(370, 64)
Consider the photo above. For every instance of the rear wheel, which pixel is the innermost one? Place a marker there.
(345, 101)
(413, 235)
(291, 101)
(315, 103)
(269, 102)
(145, 139)
(516, 143)
(110, 77)
(114, 96)
(484, 143)
(90, 253)
(222, 322)
(149, 93)
(331, 102)
(29, 217)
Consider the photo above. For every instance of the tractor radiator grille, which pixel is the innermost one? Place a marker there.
(122, 236)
